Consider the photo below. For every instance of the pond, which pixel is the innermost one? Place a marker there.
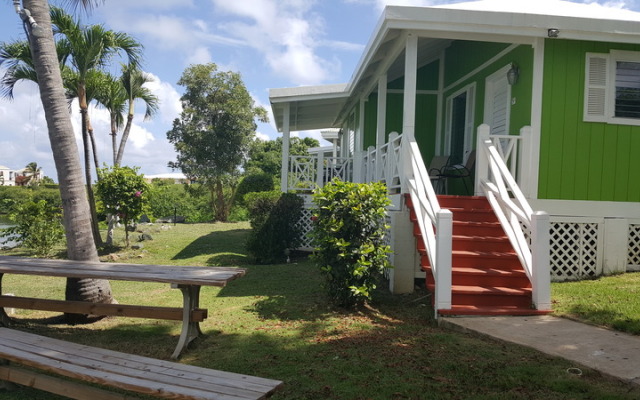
(6, 223)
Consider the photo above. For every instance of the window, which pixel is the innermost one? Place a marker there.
(612, 88)
(627, 89)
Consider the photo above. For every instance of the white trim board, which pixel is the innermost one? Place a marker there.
(585, 208)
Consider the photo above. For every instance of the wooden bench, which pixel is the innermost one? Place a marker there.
(112, 369)
(188, 279)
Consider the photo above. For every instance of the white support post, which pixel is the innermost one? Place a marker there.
(482, 159)
(371, 165)
(382, 110)
(526, 165)
(320, 169)
(410, 87)
(391, 160)
(540, 259)
(444, 229)
(284, 173)
(358, 167)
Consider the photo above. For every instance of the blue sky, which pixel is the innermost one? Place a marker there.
(272, 43)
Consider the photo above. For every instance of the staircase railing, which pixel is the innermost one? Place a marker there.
(435, 224)
(527, 230)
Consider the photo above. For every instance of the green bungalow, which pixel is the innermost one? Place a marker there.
(475, 117)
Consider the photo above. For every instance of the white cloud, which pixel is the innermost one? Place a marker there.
(287, 33)
(200, 55)
(168, 97)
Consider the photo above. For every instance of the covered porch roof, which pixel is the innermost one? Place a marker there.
(326, 106)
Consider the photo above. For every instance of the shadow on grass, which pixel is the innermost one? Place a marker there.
(228, 247)
(606, 317)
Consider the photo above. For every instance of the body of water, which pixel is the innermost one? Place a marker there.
(5, 223)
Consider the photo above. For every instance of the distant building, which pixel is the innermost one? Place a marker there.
(177, 177)
(17, 177)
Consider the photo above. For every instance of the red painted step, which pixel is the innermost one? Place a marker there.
(487, 277)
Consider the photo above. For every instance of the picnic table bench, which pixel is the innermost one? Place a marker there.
(113, 369)
(186, 278)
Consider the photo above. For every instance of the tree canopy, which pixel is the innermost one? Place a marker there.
(212, 135)
(266, 155)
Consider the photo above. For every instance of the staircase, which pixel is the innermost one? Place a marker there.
(487, 277)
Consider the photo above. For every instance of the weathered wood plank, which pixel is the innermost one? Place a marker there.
(130, 372)
(82, 307)
(184, 275)
(57, 386)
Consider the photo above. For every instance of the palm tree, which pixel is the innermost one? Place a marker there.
(33, 172)
(90, 49)
(113, 98)
(77, 219)
(133, 81)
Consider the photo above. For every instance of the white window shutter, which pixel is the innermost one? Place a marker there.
(595, 93)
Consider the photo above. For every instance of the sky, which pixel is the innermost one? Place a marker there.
(271, 43)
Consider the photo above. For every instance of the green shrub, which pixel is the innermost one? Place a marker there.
(123, 192)
(349, 234)
(274, 220)
(252, 183)
(38, 227)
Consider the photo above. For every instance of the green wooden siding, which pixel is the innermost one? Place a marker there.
(582, 160)
(463, 57)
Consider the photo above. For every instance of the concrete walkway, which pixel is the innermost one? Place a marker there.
(612, 353)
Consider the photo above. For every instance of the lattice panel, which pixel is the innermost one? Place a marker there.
(574, 250)
(633, 258)
(306, 225)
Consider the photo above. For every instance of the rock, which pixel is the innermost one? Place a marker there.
(114, 257)
(144, 236)
(144, 219)
(137, 246)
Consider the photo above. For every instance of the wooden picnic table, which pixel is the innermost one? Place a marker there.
(188, 279)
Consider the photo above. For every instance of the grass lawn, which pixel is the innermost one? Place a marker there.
(276, 322)
(611, 301)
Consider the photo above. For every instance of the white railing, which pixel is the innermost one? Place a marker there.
(307, 172)
(435, 224)
(382, 164)
(527, 230)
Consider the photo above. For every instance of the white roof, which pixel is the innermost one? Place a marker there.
(506, 21)
(549, 7)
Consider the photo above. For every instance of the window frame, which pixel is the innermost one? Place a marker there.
(609, 78)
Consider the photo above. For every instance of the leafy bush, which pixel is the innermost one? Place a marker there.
(38, 227)
(349, 234)
(165, 199)
(252, 183)
(123, 192)
(11, 196)
(274, 220)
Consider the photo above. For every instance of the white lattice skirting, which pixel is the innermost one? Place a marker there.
(633, 257)
(577, 248)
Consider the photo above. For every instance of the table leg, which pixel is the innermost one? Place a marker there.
(4, 318)
(190, 329)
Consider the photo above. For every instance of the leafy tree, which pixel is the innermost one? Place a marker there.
(214, 130)
(123, 192)
(76, 216)
(38, 227)
(266, 156)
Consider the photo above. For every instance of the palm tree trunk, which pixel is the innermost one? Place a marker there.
(123, 139)
(114, 133)
(77, 217)
(86, 142)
